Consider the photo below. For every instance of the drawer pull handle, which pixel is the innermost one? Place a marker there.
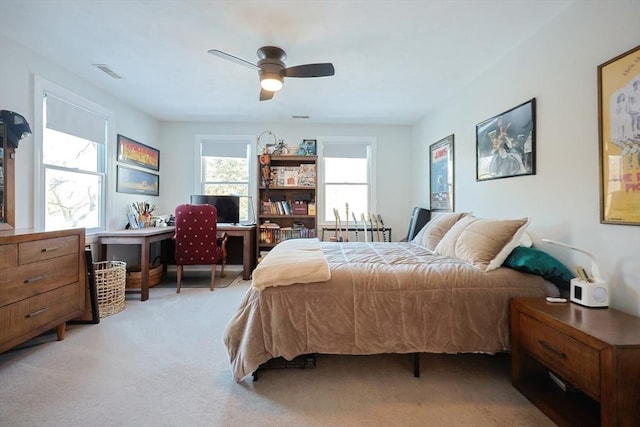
(55, 248)
(551, 349)
(34, 279)
(35, 313)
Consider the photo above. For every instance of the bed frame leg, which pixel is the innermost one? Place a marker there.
(416, 365)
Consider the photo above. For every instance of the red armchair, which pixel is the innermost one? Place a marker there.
(197, 239)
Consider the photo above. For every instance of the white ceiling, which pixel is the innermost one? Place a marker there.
(395, 60)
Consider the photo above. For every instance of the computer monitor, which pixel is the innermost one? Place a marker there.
(228, 207)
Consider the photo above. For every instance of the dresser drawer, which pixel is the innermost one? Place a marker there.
(576, 362)
(32, 279)
(40, 250)
(45, 311)
(8, 256)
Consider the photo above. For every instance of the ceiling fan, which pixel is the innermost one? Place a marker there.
(272, 70)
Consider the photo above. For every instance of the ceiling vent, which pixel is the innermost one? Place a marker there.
(106, 69)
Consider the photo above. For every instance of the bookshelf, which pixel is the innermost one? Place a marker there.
(287, 207)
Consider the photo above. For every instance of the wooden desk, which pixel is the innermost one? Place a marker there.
(248, 234)
(141, 236)
(146, 236)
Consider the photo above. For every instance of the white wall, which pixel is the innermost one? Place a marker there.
(393, 154)
(176, 142)
(17, 88)
(558, 66)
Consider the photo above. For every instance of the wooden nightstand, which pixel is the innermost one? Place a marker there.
(595, 351)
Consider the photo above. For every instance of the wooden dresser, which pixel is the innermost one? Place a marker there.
(42, 282)
(593, 355)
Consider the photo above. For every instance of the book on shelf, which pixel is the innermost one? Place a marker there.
(265, 207)
(288, 233)
(562, 383)
(307, 175)
(272, 233)
(291, 177)
(269, 224)
(294, 176)
(281, 207)
(269, 232)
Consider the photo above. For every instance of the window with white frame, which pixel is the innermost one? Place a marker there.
(225, 169)
(72, 156)
(347, 168)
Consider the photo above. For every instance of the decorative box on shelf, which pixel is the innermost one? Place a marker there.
(300, 208)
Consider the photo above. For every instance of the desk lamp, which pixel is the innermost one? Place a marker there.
(585, 290)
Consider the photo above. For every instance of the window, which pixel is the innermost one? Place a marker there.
(347, 170)
(71, 153)
(225, 169)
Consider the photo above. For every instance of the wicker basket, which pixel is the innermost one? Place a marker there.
(134, 275)
(110, 284)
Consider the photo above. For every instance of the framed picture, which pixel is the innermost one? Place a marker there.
(133, 221)
(506, 143)
(135, 181)
(619, 129)
(135, 153)
(441, 174)
(307, 147)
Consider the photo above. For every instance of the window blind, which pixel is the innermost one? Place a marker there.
(345, 150)
(65, 117)
(223, 149)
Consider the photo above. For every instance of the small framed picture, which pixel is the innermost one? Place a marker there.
(133, 221)
(506, 143)
(137, 154)
(135, 181)
(441, 170)
(307, 147)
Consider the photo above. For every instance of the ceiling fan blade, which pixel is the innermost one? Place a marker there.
(265, 95)
(232, 58)
(310, 70)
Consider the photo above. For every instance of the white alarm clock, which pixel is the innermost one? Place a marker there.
(588, 291)
(594, 293)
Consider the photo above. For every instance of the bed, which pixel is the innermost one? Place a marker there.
(402, 297)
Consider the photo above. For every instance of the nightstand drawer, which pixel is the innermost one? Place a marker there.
(39, 250)
(576, 362)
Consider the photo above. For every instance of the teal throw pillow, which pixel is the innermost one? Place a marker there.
(535, 261)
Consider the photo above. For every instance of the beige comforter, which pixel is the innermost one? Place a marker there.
(381, 298)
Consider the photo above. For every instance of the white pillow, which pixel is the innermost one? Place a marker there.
(434, 230)
(485, 243)
(525, 240)
(510, 246)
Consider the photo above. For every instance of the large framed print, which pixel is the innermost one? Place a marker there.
(619, 129)
(441, 184)
(138, 154)
(135, 181)
(506, 143)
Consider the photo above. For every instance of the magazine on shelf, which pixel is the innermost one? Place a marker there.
(291, 177)
(307, 175)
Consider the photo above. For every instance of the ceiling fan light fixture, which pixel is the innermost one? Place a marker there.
(272, 69)
(271, 82)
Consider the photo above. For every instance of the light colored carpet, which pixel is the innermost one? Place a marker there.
(162, 363)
